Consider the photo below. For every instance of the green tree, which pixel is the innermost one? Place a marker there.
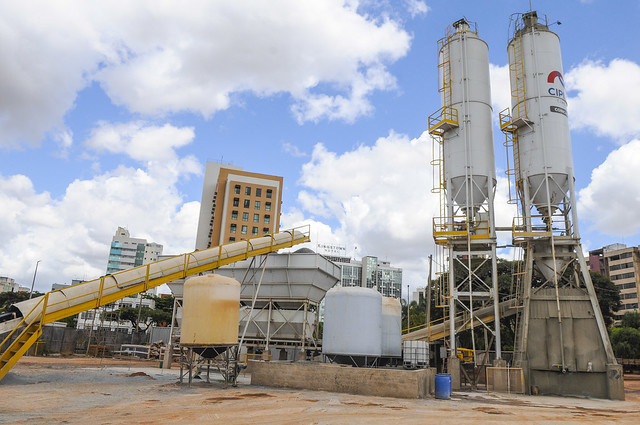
(626, 342)
(631, 319)
(148, 317)
(164, 303)
(608, 296)
(7, 299)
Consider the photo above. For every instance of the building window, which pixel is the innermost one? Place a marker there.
(265, 230)
(258, 192)
(232, 239)
(234, 215)
(254, 231)
(267, 206)
(256, 218)
(269, 193)
(247, 190)
(233, 228)
(247, 203)
(244, 230)
(237, 189)
(236, 202)
(267, 219)
(245, 216)
(257, 205)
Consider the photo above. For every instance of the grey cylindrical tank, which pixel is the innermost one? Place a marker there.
(544, 144)
(391, 327)
(352, 322)
(469, 163)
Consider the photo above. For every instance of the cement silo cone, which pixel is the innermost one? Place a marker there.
(352, 332)
(210, 315)
(539, 110)
(469, 163)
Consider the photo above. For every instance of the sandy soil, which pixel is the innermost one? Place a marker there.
(106, 391)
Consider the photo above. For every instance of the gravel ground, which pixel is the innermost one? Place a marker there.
(99, 391)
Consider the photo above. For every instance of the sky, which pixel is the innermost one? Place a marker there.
(109, 112)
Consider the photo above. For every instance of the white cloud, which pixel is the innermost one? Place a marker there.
(71, 234)
(379, 199)
(140, 141)
(604, 98)
(157, 58)
(293, 150)
(379, 195)
(500, 88)
(417, 7)
(611, 201)
(47, 51)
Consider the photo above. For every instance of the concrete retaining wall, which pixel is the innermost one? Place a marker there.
(345, 379)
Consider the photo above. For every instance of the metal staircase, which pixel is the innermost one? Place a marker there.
(56, 305)
(19, 347)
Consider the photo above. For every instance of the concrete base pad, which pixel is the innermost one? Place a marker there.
(397, 383)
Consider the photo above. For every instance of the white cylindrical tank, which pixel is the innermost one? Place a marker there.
(210, 311)
(544, 144)
(469, 163)
(352, 322)
(391, 327)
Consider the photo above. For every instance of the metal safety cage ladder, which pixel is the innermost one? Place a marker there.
(516, 74)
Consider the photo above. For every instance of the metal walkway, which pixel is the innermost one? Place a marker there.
(56, 305)
(440, 330)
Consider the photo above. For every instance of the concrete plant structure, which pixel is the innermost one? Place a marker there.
(464, 232)
(31, 315)
(285, 291)
(562, 343)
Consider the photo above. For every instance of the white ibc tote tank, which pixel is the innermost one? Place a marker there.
(391, 327)
(544, 144)
(352, 322)
(469, 163)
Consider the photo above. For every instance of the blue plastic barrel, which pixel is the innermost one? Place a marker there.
(443, 386)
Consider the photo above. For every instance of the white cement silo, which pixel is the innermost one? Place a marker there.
(469, 163)
(540, 113)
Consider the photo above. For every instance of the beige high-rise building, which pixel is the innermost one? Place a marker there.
(622, 266)
(237, 205)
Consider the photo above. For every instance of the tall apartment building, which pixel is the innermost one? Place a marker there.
(370, 273)
(127, 252)
(621, 264)
(237, 205)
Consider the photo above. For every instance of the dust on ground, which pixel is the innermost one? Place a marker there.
(110, 391)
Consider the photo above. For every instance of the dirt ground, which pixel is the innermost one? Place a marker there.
(105, 391)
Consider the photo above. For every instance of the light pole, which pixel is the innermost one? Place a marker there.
(34, 278)
(408, 308)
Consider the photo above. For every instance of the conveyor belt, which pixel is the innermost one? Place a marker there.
(56, 305)
(439, 330)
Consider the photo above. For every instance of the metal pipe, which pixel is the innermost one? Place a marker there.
(428, 299)
(34, 279)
